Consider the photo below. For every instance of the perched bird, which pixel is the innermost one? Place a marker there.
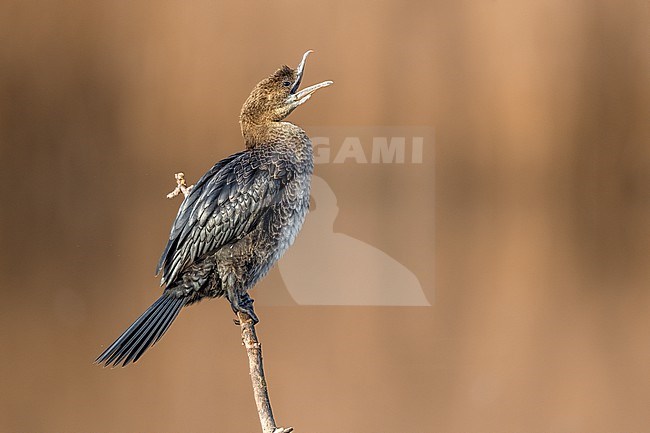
(238, 219)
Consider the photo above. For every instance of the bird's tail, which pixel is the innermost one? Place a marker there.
(144, 332)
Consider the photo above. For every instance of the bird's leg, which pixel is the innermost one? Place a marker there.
(242, 303)
(181, 186)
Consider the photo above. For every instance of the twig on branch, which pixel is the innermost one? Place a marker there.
(260, 389)
(181, 186)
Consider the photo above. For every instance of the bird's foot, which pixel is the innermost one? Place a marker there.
(253, 316)
(283, 430)
(253, 319)
(181, 186)
(248, 309)
(242, 303)
(248, 312)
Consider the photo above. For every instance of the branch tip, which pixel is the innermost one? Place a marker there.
(181, 186)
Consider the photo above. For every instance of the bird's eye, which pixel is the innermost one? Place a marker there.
(286, 83)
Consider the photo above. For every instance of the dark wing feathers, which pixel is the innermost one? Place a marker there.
(222, 207)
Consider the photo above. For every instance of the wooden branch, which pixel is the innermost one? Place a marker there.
(181, 186)
(260, 389)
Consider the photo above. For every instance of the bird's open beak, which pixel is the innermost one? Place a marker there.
(299, 97)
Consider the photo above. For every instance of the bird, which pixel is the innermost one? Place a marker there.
(237, 220)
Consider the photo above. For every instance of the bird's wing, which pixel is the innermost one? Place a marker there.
(222, 207)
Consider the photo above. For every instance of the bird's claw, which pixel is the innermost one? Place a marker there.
(243, 304)
(283, 430)
(253, 316)
(248, 312)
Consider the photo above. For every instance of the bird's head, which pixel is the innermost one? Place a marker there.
(275, 97)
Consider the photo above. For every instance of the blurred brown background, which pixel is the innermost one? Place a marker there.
(541, 243)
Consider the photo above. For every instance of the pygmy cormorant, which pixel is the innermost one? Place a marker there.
(238, 219)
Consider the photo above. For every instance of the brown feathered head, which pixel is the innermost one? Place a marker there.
(275, 97)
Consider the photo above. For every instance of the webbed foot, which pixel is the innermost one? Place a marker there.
(244, 304)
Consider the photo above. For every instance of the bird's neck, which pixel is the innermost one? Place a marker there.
(268, 133)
